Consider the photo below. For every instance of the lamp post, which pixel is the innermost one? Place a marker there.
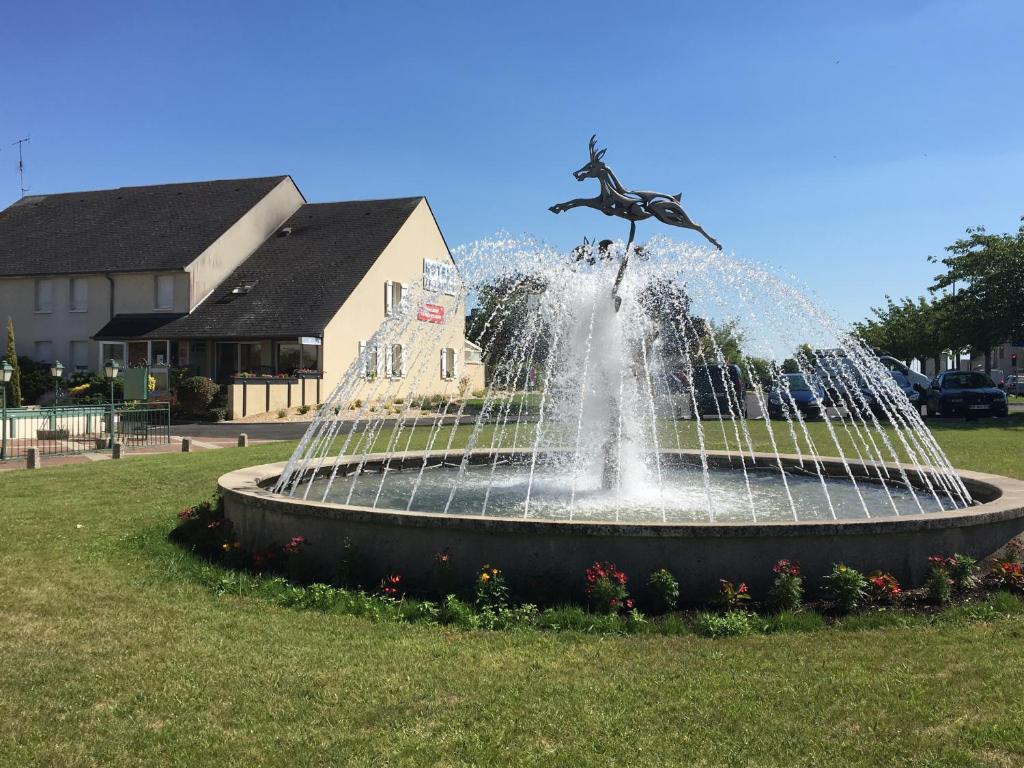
(6, 371)
(110, 370)
(56, 371)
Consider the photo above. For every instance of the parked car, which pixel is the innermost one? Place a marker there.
(896, 366)
(796, 392)
(908, 389)
(719, 389)
(1014, 384)
(965, 393)
(998, 377)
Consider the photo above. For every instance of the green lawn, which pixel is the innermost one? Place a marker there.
(110, 655)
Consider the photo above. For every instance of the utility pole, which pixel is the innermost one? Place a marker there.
(21, 163)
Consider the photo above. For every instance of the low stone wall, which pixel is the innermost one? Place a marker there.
(250, 396)
(545, 560)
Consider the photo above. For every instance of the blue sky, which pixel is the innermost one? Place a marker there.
(843, 143)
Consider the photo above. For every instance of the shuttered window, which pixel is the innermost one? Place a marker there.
(79, 294)
(44, 295)
(165, 291)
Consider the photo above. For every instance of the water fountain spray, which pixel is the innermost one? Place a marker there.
(634, 206)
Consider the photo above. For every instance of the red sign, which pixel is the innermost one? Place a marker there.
(431, 313)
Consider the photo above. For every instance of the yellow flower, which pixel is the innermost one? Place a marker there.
(485, 576)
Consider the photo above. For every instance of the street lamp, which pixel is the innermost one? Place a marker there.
(56, 371)
(6, 371)
(110, 370)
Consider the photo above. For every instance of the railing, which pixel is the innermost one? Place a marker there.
(69, 429)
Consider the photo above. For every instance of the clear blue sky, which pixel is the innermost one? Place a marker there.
(841, 142)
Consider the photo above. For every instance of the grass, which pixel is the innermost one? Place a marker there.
(111, 654)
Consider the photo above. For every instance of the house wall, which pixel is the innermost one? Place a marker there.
(229, 250)
(135, 293)
(362, 314)
(60, 326)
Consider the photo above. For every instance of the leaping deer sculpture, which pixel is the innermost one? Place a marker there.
(632, 205)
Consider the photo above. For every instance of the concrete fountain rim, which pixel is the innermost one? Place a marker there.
(1002, 500)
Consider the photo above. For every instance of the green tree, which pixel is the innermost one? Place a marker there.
(984, 278)
(14, 387)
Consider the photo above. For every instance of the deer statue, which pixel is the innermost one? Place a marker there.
(632, 205)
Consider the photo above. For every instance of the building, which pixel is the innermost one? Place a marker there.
(238, 280)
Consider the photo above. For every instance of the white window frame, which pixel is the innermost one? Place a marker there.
(73, 305)
(394, 361)
(369, 360)
(396, 298)
(156, 292)
(449, 363)
(39, 305)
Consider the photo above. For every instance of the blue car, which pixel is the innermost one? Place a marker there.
(965, 393)
(796, 392)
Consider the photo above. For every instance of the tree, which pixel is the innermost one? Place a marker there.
(14, 387)
(985, 279)
(500, 318)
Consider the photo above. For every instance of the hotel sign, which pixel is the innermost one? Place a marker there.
(439, 277)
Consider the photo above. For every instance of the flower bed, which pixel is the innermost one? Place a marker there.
(845, 597)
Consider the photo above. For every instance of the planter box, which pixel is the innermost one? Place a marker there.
(52, 434)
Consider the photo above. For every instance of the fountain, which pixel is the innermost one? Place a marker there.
(627, 418)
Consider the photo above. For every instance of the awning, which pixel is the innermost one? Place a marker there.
(126, 327)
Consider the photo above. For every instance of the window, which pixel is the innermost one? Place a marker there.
(396, 297)
(79, 294)
(159, 354)
(289, 356)
(80, 356)
(395, 362)
(252, 358)
(449, 363)
(165, 291)
(112, 351)
(44, 295)
(44, 352)
(368, 356)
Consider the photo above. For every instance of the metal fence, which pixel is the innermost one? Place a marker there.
(68, 429)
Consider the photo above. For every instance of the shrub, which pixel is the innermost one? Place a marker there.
(662, 591)
(398, 401)
(195, 395)
(963, 570)
(491, 590)
(606, 588)
(457, 613)
(845, 587)
(281, 413)
(1006, 574)
(479, 393)
(728, 624)
(938, 586)
(304, 409)
(204, 529)
(787, 588)
(391, 585)
(218, 414)
(731, 597)
(883, 588)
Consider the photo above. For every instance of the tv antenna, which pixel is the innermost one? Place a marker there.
(21, 163)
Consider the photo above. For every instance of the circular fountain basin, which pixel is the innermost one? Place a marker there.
(545, 551)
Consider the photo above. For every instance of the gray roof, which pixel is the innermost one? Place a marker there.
(129, 229)
(297, 283)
